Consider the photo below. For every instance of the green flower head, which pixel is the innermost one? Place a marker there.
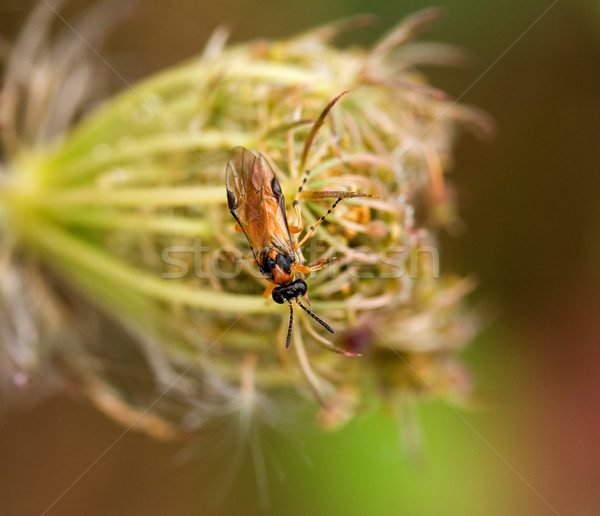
(122, 273)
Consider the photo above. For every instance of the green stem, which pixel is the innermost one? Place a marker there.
(168, 143)
(154, 197)
(67, 251)
(170, 225)
(196, 72)
(105, 123)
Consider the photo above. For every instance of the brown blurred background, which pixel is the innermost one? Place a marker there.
(531, 210)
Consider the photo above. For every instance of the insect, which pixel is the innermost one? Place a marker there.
(257, 203)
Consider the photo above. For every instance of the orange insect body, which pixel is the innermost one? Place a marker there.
(257, 203)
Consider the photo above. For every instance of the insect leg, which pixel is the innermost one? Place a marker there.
(296, 204)
(269, 290)
(312, 229)
(320, 264)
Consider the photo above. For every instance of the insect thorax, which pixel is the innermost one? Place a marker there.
(277, 266)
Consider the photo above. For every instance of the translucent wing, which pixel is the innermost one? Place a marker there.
(256, 201)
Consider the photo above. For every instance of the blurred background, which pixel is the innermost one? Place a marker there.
(530, 206)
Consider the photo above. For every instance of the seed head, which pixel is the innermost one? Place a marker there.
(121, 272)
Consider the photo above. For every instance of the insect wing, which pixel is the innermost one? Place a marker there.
(256, 201)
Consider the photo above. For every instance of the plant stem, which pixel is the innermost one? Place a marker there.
(74, 169)
(63, 249)
(178, 196)
(171, 225)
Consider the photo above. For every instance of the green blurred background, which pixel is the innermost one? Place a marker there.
(531, 210)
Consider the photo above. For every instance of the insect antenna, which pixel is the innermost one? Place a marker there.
(315, 317)
(290, 324)
(313, 228)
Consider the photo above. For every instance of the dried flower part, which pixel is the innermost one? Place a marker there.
(121, 267)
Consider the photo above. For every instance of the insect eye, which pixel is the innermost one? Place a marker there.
(278, 296)
(301, 286)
